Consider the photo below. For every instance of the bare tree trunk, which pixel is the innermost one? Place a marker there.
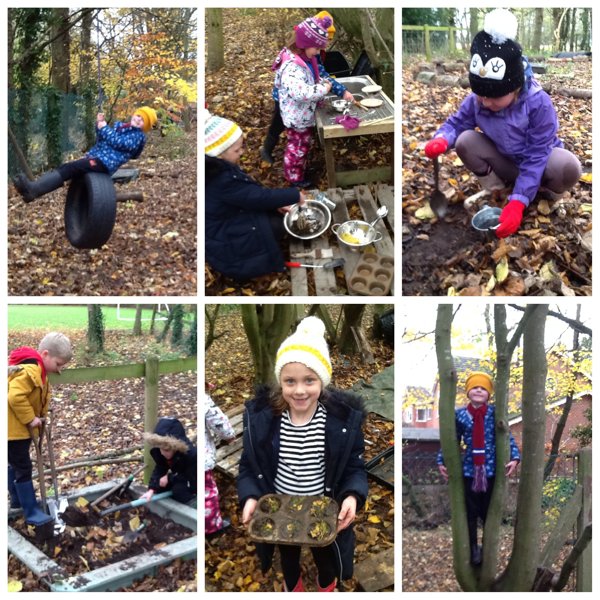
(536, 44)
(447, 374)
(214, 36)
(352, 318)
(266, 326)
(137, 324)
(211, 318)
(60, 50)
(521, 570)
(562, 422)
(473, 22)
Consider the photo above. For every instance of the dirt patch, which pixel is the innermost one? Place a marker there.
(427, 253)
(113, 538)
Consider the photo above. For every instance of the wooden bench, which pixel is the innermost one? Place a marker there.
(325, 281)
(228, 455)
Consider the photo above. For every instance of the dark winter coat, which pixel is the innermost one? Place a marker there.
(239, 240)
(345, 473)
(183, 477)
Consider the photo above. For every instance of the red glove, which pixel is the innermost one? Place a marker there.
(435, 147)
(510, 218)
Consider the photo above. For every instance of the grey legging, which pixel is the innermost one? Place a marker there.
(478, 152)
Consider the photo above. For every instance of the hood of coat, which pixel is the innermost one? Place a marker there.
(337, 402)
(170, 435)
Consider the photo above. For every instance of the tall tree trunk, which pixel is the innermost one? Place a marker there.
(215, 58)
(473, 22)
(562, 422)
(521, 570)
(266, 326)
(86, 80)
(95, 332)
(572, 39)
(60, 50)
(536, 44)
(137, 324)
(463, 571)
(352, 318)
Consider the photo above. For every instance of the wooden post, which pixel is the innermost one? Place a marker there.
(452, 40)
(427, 43)
(584, 476)
(150, 409)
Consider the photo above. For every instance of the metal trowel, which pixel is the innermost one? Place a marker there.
(438, 201)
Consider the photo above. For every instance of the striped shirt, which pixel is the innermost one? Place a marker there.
(301, 468)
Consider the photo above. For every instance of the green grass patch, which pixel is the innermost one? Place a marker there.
(62, 317)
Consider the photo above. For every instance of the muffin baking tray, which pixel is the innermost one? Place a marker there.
(296, 520)
(372, 276)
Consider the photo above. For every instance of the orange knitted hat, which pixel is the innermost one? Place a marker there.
(479, 379)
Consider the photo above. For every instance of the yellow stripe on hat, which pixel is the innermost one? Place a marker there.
(308, 349)
(223, 139)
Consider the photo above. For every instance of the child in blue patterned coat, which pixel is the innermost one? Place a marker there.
(114, 147)
(475, 426)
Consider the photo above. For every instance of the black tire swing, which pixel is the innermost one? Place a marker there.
(90, 210)
(91, 206)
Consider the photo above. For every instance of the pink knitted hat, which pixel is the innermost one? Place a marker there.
(312, 32)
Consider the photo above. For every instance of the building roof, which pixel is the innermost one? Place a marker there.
(421, 434)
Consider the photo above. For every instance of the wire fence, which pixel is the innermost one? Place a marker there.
(32, 132)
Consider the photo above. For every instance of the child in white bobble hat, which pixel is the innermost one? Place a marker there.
(302, 437)
(243, 220)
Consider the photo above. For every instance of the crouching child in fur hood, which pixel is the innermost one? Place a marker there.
(303, 438)
(175, 460)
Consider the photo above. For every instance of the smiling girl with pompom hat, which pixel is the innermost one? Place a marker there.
(302, 437)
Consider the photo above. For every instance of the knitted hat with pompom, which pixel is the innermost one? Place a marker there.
(307, 346)
(312, 32)
(496, 67)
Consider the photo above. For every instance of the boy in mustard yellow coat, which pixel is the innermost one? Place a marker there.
(28, 404)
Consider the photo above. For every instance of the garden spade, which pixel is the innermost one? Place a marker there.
(57, 504)
(138, 502)
(438, 201)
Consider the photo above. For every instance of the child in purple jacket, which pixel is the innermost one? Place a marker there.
(517, 143)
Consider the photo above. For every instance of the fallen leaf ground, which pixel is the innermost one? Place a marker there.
(101, 417)
(551, 255)
(230, 562)
(241, 91)
(152, 250)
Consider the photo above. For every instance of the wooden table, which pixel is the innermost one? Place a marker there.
(325, 281)
(376, 120)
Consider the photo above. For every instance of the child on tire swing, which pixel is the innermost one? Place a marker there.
(476, 427)
(304, 438)
(28, 403)
(175, 459)
(505, 132)
(114, 147)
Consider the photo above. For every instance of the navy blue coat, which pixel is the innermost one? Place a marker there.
(344, 465)
(182, 468)
(239, 240)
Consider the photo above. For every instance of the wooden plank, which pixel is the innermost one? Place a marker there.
(298, 276)
(376, 572)
(329, 163)
(350, 178)
(385, 197)
(325, 282)
(369, 209)
(563, 528)
(226, 450)
(340, 215)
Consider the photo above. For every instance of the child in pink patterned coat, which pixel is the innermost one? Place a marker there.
(216, 425)
(300, 89)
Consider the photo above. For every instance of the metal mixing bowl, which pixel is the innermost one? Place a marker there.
(317, 215)
(356, 234)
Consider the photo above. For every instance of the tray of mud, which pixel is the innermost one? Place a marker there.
(296, 520)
